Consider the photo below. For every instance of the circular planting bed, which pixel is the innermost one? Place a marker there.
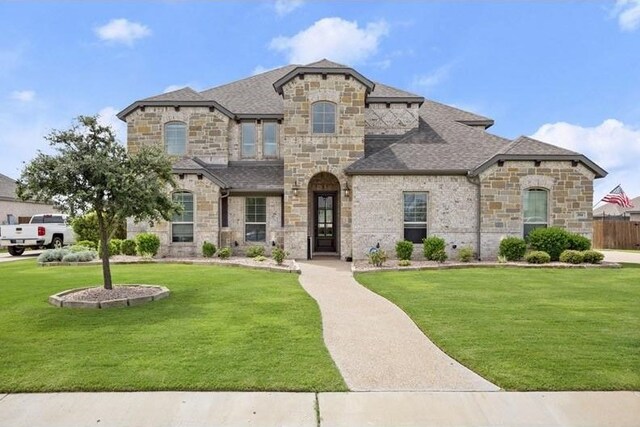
(99, 297)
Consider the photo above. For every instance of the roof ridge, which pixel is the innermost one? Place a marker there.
(249, 78)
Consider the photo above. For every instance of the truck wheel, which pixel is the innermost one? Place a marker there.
(56, 242)
(16, 250)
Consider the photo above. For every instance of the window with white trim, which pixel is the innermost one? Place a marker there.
(255, 221)
(248, 140)
(415, 216)
(269, 139)
(182, 223)
(323, 117)
(175, 138)
(535, 210)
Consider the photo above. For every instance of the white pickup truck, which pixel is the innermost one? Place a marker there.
(43, 231)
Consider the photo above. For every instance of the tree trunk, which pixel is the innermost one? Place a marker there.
(104, 246)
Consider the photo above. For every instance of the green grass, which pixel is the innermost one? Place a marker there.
(542, 329)
(222, 328)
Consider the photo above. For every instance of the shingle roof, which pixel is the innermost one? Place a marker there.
(609, 209)
(385, 91)
(7, 187)
(526, 145)
(325, 63)
(184, 94)
(254, 176)
(439, 111)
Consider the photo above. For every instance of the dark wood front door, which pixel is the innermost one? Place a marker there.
(325, 222)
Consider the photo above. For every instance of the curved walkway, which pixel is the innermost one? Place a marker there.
(376, 346)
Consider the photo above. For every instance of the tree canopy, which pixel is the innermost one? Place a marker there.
(91, 171)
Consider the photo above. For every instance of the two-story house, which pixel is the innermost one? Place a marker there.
(318, 158)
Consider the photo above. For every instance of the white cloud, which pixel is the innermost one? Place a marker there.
(332, 38)
(613, 145)
(107, 117)
(23, 95)
(284, 7)
(122, 31)
(628, 14)
(171, 88)
(433, 78)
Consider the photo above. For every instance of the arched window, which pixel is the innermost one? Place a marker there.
(182, 223)
(175, 138)
(323, 117)
(535, 209)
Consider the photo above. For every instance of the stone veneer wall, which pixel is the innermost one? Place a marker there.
(235, 231)
(207, 132)
(570, 199)
(306, 154)
(397, 119)
(378, 211)
(205, 197)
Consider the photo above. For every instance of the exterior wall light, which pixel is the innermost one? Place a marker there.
(347, 190)
(295, 189)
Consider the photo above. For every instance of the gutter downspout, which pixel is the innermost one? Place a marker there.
(475, 180)
(222, 196)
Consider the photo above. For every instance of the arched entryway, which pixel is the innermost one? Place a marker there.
(324, 213)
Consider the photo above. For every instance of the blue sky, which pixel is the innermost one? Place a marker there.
(567, 73)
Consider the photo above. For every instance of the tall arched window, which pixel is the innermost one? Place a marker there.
(175, 138)
(323, 117)
(535, 209)
(182, 224)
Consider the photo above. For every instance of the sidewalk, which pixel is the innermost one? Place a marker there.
(375, 345)
(224, 409)
(620, 256)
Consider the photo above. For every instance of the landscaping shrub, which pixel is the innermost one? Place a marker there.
(592, 257)
(278, 255)
(148, 244)
(551, 240)
(84, 256)
(224, 253)
(404, 263)
(404, 249)
(117, 245)
(431, 246)
(128, 247)
(537, 257)
(512, 248)
(88, 244)
(70, 257)
(86, 228)
(111, 247)
(578, 242)
(53, 255)
(572, 257)
(77, 248)
(260, 258)
(254, 251)
(208, 249)
(377, 257)
(465, 254)
(440, 255)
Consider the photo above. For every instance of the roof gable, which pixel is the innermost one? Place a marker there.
(322, 67)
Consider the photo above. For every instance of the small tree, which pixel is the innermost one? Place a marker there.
(90, 171)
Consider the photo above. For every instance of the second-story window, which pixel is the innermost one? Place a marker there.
(175, 138)
(324, 117)
(269, 139)
(248, 140)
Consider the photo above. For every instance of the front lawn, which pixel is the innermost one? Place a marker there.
(222, 328)
(533, 329)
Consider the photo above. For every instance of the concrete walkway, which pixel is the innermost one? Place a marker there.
(620, 256)
(376, 346)
(222, 409)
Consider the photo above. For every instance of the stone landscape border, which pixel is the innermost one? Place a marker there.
(355, 268)
(58, 301)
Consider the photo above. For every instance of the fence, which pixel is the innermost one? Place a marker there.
(616, 234)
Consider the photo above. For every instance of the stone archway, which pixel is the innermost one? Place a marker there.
(324, 213)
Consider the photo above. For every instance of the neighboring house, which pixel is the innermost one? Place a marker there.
(608, 211)
(320, 155)
(12, 208)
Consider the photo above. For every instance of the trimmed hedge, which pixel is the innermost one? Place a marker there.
(255, 251)
(571, 257)
(592, 257)
(404, 250)
(552, 240)
(578, 242)
(128, 247)
(512, 248)
(432, 247)
(537, 257)
(465, 254)
(208, 249)
(148, 244)
(224, 253)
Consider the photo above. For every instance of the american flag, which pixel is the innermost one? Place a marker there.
(617, 197)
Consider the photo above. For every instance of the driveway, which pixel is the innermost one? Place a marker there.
(375, 345)
(5, 257)
(621, 256)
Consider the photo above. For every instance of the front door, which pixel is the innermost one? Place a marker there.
(325, 222)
